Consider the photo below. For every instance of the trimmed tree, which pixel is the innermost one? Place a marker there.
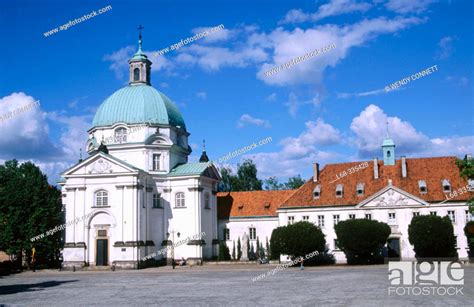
(277, 242)
(432, 237)
(233, 250)
(469, 231)
(301, 239)
(267, 247)
(239, 249)
(223, 252)
(362, 240)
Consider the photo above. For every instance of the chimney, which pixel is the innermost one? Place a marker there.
(376, 169)
(404, 167)
(315, 172)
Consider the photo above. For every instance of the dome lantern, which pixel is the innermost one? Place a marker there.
(140, 66)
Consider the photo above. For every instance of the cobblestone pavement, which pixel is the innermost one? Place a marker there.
(218, 285)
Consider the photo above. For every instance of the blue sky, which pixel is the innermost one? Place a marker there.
(327, 109)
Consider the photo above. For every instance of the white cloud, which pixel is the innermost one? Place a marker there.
(370, 129)
(287, 45)
(25, 135)
(218, 36)
(459, 81)
(445, 48)
(272, 97)
(201, 95)
(361, 94)
(247, 119)
(298, 153)
(408, 6)
(332, 8)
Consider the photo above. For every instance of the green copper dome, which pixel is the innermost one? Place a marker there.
(138, 104)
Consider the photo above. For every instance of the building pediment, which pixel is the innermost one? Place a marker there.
(100, 164)
(391, 197)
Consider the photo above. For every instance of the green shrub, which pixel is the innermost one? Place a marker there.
(362, 240)
(224, 253)
(298, 240)
(432, 237)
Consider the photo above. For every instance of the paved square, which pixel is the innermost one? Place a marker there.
(218, 285)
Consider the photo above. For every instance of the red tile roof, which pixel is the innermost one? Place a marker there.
(431, 170)
(252, 203)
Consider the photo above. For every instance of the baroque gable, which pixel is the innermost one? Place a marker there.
(391, 197)
(100, 164)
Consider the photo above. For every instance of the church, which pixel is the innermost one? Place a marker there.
(136, 193)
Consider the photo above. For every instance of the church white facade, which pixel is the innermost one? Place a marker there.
(140, 194)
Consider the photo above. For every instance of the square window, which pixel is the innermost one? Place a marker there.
(352, 216)
(291, 220)
(368, 216)
(305, 218)
(335, 219)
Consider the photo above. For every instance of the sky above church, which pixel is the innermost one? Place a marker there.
(329, 108)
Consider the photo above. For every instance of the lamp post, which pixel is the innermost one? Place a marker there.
(172, 244)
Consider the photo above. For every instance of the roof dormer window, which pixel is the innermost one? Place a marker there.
(470, 184)
(360, 189)
(446, 186)
(317, 192)
(339, 190)
(422, 186)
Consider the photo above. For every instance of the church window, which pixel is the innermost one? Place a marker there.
(136, 74)
(446, 185)
(157, 200)
(156, 162)
(207, 201)
(101, 198)
(121, 135)
(253, 233)
(226, 234)
(180, 201)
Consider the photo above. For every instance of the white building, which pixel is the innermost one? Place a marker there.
(390, 191)
(137, 193)
(139, 189)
